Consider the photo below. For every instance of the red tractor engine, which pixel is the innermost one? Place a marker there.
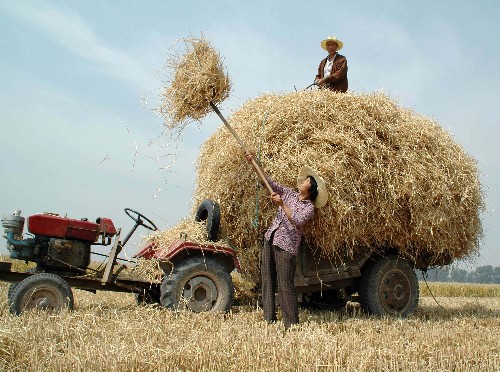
(59, 243)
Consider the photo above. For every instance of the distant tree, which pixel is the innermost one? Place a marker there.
(483, 274)
(458, 275)
(496, 275)
(442, 274)
(438, 274)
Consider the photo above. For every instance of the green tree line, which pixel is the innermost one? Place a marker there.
(482, 274)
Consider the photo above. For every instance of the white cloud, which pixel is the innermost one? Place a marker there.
(72, 32)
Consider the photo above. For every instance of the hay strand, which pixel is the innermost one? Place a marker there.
(187, 229)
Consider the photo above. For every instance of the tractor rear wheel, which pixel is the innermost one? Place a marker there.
(389, 286)
(43, 291)
(12, 286)
(198, 284)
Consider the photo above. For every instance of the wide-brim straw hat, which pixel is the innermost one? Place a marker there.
(332, 38)
(322, 197)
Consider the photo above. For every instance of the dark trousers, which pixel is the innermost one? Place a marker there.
(278, 267)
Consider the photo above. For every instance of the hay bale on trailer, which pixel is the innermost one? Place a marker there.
(395, 178)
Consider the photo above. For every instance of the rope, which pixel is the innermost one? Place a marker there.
(255, 222)
(424, 275)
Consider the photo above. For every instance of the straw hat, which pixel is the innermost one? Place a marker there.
(322, 197)
(332, 38)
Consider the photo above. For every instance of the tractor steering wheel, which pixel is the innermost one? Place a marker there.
(139, 219)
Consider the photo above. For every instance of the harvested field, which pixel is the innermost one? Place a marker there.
(107, 331)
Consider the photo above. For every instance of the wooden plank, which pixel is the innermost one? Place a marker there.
(117, 247)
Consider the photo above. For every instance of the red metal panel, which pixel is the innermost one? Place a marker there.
(146, 252)
(178, 245)
(84, 230)
(48, 225)
(105, 224)
(59, 227)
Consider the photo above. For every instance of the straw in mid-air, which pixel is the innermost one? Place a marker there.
(199, 78)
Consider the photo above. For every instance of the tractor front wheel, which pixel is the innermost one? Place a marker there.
(13, 286)
(198, 284)
(42, 291)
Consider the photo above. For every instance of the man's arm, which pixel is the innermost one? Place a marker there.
(298, 218)
(279, 202)
(303, 215)
(318, 75)
(339, 73)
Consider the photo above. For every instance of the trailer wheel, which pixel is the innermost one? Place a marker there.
(389, 287)
(198, 284)
(41, 291)
(209, 211)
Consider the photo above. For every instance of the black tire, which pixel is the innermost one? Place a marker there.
(209, 211)
(41, 291)
(389, 286)
(198, 284)
(12, 287)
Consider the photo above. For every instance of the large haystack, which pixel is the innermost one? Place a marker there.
(395, 178)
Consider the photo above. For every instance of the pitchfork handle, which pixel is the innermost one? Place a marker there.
(256, 167)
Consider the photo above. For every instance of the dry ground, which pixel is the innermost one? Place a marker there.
(107, 331)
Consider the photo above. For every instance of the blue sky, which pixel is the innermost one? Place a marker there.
(80, 79)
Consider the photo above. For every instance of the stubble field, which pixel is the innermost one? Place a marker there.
(108, 331)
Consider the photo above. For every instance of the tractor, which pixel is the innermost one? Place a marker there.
(196, 277)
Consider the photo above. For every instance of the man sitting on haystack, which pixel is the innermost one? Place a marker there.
(332, 71)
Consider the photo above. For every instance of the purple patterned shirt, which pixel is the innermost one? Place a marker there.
(287, 234)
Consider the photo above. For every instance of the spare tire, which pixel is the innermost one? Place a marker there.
(209, 211)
